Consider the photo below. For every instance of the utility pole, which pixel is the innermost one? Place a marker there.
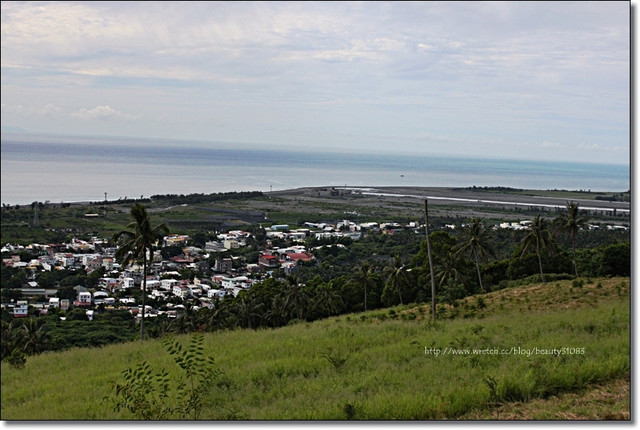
(433, 281)
(36, 221)
(105, 204)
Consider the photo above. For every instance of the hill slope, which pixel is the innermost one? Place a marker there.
(393, 364)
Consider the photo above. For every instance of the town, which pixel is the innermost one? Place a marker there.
(166, 286)
(231, 274)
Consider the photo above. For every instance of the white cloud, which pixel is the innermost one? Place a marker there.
(101, 113)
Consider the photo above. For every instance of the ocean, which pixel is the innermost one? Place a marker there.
(70, 169)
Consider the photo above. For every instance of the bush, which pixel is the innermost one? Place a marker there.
(147, 395)
(17, 359)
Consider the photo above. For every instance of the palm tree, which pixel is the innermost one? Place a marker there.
(570, 223)
(278, 313)
(476, 241)
(449, 269)
(538, 239)
(218, 316)
(35, 336)
(296, 296)
(329, 298)
(396, 276)
(248, 310)
(187, 321)
(135, 244)
(364, 277)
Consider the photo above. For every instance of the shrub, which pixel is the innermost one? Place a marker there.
(147, 395)
(17, 359)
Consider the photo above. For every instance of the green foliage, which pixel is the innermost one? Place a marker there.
(335, 360)
(149, 395)
(577, 283)
(143, 393)
(17, 359)
(616, 260)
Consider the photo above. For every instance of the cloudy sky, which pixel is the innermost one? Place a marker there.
(540, 80)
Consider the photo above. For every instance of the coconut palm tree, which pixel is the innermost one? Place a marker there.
(35, 336)
(249, 311)
(216, 318)
(449, 269)
(396, 276)
(476, 241)
(538, 239)
(278, 314)
(296, 296)
(570, 223)
(135, 245)
(364, 277)
(329, 298)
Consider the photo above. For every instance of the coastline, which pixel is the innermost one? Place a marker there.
(450, 196)
(467, 197)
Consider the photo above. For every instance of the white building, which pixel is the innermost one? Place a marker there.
(168, 284)
(181, 291)
(127, 283)
(21, 309)
(216, 294)
(237, 282)
(231, 244)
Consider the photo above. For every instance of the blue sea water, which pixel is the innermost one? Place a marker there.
(79, 169)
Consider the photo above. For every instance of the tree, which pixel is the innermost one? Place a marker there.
(135, 244)
(449, 270)
(35, 336)
(328, 297)
(615, 259)
(476, 241)
(296, 296)
(396, 276)
(248, 310)
(364, 278)
(570, 223)
(278, 314)
(538, 239)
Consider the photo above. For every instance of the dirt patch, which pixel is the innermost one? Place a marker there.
(608, 401)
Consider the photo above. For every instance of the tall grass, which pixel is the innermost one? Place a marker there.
(340, 368)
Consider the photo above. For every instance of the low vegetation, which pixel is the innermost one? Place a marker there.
(377, 365)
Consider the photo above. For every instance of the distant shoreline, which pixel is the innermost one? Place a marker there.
(435, 195)
(465, 196)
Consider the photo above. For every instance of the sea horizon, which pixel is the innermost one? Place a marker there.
(56, 168)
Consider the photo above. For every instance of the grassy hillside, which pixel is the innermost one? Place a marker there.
(381, 365)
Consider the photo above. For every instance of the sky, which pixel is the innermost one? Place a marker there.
(526, 80)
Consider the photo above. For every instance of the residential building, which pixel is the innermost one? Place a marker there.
(267, 260)
(21, 310)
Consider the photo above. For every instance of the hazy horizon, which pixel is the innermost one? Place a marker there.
(90, 139)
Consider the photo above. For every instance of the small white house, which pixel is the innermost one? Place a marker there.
(216, 294)
(181, 291)
(54, 302)
(237, 282)
(168, 284)
(21, 309)
(127, 283)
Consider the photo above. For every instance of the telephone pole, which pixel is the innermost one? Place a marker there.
(36, 221)
(433, 281)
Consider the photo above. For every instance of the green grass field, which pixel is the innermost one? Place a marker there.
(393, 364)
